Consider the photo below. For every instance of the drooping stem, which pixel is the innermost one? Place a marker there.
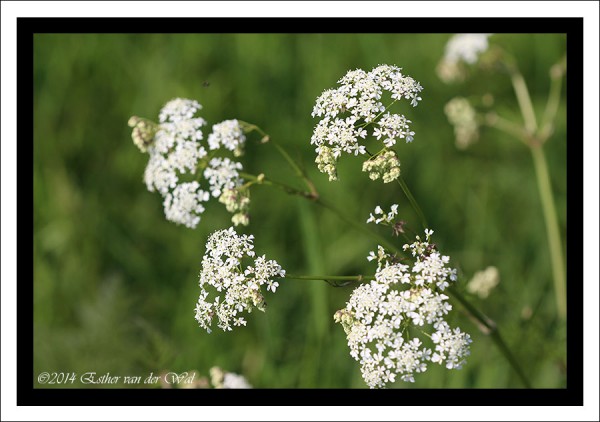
(297, 169)
(552, 229)
(261, 179)
(488, 326)
(473, 312)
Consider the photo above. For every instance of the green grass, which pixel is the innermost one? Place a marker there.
(115, 284)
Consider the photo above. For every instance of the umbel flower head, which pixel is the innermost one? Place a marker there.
(354, 111)
(176, 153)
(461, 49)
(238, 288)
(223, 379)
(383, 318)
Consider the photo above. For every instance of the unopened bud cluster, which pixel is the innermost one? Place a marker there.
(385, 166)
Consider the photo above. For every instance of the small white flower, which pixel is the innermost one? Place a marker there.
(178, 109)
(222, 173)
(227, 134)
(175, 149)
(386, 218)
(379, 318)
(466, 47)
(346, 111)
(222, 268)
(183, 206)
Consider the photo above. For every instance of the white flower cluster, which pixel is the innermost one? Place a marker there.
(381, 317)
(382, 217)
(239, 289)
(461, 48)
(484, 281)
(466, 47)
(463, 117)
(348, 110)
(223, 379)
(222, 173)
(175, 149)
(228, 134)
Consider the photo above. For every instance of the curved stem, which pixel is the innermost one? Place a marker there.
(321, 202)
(488, 326)
(297, 169)
(485, 321)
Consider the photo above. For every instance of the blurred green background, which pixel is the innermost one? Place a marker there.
(115, 284)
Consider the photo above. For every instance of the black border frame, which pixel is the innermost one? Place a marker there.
(27, 395)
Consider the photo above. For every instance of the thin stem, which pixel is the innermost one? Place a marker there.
(297, 169)
(308, 195)
(488, 326)
(299, 172)
(556, 76)
(358, 278)
(412, 201)
(541, 170)
(523, 99)
(361, 227)
(262, 180)
(552, 229)
(506, 126)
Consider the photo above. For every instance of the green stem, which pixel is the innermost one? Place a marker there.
(500, 123)
(360, 227)
(543, 178)
(523, 99)
(262, 180)
(497, 338)
(552, 229)
(556, 74)
(412, 201)
(299, 172)
(488, 326)
(308, 195)
(358, 278)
